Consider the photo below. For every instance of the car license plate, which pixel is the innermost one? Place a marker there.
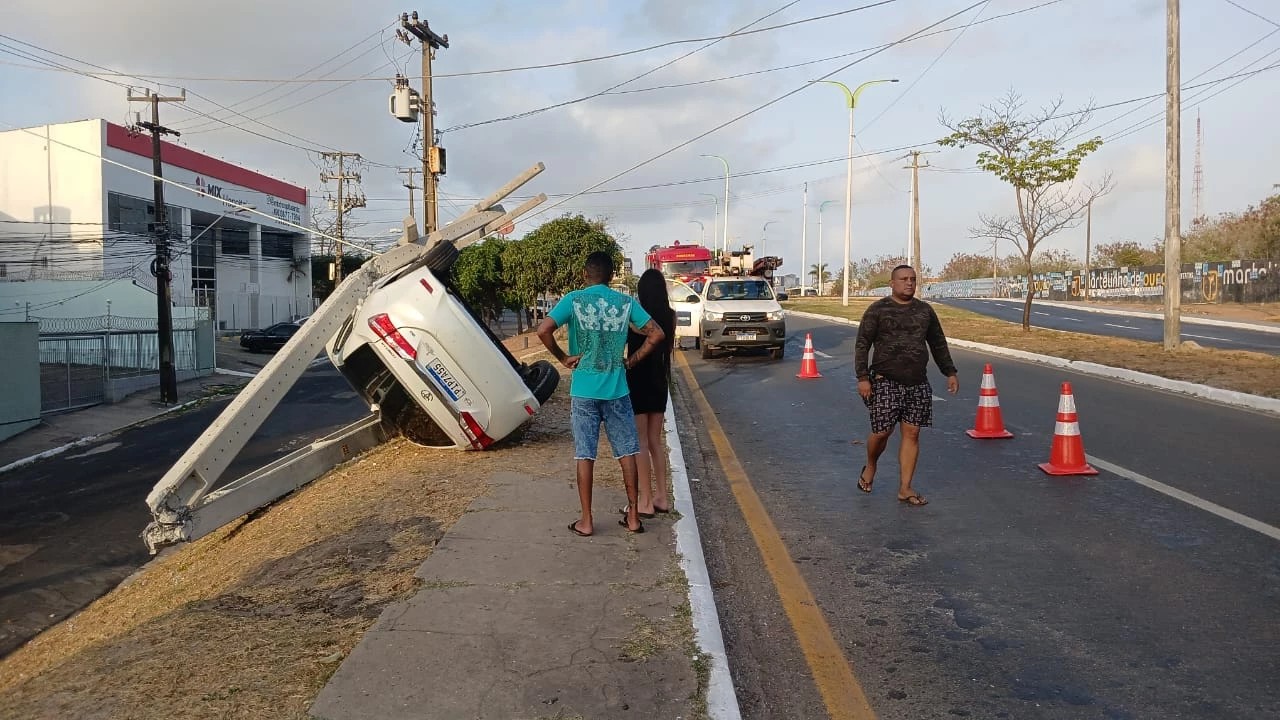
(746, 336)
(446, 381)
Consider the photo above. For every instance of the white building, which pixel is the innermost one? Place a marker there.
(67, 214)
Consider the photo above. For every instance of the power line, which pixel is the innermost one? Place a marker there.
(1260, 17)
(628, 81)
(748, 113)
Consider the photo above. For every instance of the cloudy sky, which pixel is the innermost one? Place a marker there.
(1084, 51)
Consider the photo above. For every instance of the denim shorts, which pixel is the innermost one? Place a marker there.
(619, 424)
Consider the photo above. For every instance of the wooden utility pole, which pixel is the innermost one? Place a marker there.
(160, 230)
(1173, 184)
(345, 203)
(433, 156)
(409, 184)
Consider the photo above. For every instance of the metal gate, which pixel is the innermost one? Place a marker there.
(73, 371)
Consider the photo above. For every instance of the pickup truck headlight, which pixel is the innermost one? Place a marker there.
(777, 314)
(713, 316)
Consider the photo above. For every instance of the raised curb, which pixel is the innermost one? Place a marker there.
(1226, 397)
(722, 700)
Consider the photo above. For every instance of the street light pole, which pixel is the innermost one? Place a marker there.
(763, 230)
(822, 286)
(702, 229)
(726, 200)
(804, 240)
(851, 98)
(715, 216)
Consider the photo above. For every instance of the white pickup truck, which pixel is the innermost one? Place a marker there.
(736, 312)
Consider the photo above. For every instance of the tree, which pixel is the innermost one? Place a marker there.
(1054, 260)
(966, 266)
(1127, 253)
(820, 274)
(550, 258)
(877, 273)
(477, 276)
(1032, 153)
(1252, 234)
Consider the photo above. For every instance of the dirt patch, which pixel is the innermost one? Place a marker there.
(1249, 372)
(252, 620)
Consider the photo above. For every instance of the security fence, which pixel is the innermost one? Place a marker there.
(86, 361)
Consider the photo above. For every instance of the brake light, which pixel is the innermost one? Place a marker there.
(479, 440)
(528, 409)
(385, 329)
(427, 285)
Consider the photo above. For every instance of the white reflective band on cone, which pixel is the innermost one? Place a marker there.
(1067, 404)
(988, 382)
(988, 401)
(1063, 428)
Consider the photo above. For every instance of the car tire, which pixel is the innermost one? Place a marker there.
(777, 353)
(441, 257)
(697, 343)
(541, 378)
(707, 352)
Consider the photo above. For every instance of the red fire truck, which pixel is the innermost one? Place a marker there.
(682, 262)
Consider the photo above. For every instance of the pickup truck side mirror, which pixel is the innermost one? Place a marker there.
(691, 299)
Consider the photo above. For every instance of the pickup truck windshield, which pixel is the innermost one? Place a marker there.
(740, 290)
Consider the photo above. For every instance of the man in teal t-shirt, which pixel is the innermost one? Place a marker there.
(598, 318)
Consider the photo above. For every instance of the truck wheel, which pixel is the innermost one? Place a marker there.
(777, 353)
(441, 257)
(707, 353)
(541, 378)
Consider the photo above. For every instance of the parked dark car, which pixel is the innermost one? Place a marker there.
(272, 338)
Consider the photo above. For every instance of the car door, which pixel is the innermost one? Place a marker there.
(684, 300)
(279, 334)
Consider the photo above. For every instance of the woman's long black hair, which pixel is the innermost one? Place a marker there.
(651, 290)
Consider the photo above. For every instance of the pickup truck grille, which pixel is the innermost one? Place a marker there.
(744, 317)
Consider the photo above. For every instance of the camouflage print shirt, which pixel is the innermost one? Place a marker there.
(903, 335)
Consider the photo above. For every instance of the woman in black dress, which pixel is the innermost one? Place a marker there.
(649, 380)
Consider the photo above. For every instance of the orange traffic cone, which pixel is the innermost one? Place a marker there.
(1067, 455)
(808, 362)
(989, 423)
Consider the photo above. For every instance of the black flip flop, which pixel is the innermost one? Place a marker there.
(863, 485)
(623, 523)
(646, 516)
(573, 528)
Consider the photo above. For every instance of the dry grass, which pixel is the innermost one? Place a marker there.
(252, 620)
(1249, 372)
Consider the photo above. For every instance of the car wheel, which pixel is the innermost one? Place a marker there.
(541, 378)
(707, 353)
(697, 343)
(441, 257)
(777, 353)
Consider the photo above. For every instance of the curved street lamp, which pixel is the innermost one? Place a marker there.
(726, 199)
(851, 97)
(821, 281)
(703, 229)
(763, 230)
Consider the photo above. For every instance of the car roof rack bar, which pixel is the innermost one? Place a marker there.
(183, 504)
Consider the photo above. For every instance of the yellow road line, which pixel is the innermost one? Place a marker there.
(831, 670)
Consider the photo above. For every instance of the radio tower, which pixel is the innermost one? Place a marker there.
(1198, 186)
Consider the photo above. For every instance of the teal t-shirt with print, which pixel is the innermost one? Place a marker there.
(598, 317)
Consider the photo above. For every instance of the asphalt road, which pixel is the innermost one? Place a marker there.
(1012, 594)
(76, 519)
(1134, 328)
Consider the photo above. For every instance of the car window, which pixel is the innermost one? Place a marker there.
(743, 290)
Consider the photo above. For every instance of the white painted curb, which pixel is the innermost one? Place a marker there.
(722, 701)
(1190, 319)
(1225, 397)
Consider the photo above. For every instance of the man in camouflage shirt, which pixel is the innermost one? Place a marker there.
(895, 386)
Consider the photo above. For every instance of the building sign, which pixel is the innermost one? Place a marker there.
(281, 209)
(218, 192)
(286, 211)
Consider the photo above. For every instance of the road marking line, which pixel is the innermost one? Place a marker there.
(939, 399)
(1207, 337)
(821, 354)
(1126, 327)
(1042, 313)
(1072, 319)
(832, 672)
(1242, 520)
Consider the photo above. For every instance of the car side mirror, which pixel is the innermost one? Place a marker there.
(782, 296)
(691, 299)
